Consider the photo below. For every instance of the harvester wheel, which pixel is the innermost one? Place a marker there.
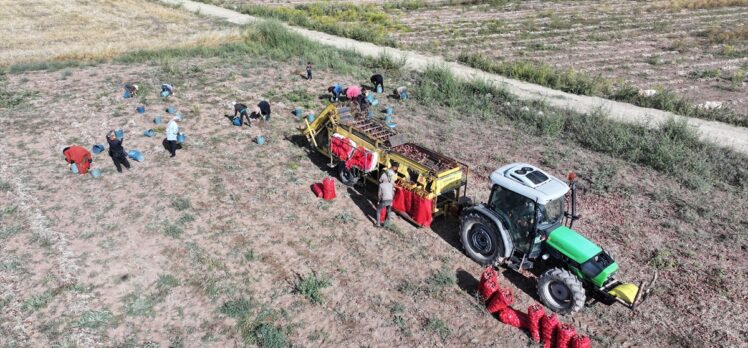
(561, 291)
(348, 177)
(481, 239)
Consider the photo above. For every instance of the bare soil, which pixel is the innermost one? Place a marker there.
(162, 247)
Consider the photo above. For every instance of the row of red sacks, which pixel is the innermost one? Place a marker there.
(542, 326)
(326, 189)
(353, 156)
(419, 208)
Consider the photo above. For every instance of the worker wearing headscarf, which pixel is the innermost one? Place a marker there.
(79, 156)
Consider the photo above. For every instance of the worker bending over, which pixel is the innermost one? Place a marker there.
(262, 110)
(117, 152)
(131, 90)
(79, 156)
(335, 91)
(167, 90)
(241, 110)
(378, 81)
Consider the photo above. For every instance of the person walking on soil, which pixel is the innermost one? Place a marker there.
(378, 81)
(79, 156)
(386, 194)
(309, 70)
(172, 129)
(241, 110)
(116, 152)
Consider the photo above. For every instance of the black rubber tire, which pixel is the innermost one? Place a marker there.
(561, 291)
(481, 239)
(349, 177)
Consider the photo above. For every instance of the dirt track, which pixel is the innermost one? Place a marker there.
(718, 133)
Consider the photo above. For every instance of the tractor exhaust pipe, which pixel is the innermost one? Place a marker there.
(573, 183)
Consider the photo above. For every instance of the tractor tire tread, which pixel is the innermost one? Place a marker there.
(571, 281)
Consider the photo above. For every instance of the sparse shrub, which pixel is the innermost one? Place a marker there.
(662, 259)
(737, 78)
(311, 287)
(442, 279)
(237, 308)
(263, 331)
(94, 319)
(180, 203)
(439, 327)
(5, 186)
(172, 230)
(138, 305)
(37, 302)
(9, 230)
(345, 217)
(185, 219)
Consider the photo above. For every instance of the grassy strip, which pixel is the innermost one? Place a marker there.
(363, 22)
(572, 81)
(673, 148)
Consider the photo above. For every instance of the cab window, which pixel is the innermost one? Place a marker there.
(518, 213)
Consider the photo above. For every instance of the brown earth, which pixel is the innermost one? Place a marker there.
(163, 246)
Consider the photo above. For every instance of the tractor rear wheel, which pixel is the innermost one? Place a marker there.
(348, 177)
(561, 291)
(481, 239)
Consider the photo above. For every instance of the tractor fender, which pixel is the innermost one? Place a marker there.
(505, 237)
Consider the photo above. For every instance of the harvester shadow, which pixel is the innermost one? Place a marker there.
(364, 203)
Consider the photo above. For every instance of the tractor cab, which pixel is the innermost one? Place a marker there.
(527, 200)
(525, 226)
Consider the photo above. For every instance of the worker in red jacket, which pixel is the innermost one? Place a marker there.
(78, 155)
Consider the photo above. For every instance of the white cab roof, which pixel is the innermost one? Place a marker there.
(529, 181)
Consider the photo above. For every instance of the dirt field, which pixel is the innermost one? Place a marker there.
(209, 248)
(48, 30)
(646, 43)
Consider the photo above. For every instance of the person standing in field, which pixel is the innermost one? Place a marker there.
(172, 129)
(386, 194)
(117, 152)
(79, 156)
(309, 70)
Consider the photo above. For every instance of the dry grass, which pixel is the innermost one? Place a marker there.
(705, 4)
(65, 30)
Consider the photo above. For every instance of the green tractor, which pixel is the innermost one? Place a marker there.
(525, 226)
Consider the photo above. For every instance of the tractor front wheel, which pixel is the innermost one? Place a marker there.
(561, 291)
(349, 177)
(481, 239)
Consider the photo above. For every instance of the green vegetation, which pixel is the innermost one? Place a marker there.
(37, 302)
(438, 327)
(261, 329)
(571, 81)
(180, 203)
(363, 22)
(94, 319)
(311, 287)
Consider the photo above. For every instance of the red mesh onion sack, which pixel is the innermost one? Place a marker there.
(501, 299)
(534, 314)
(564, 334)
(512, 317)
(580, 341)
(382, 214)
(488, 288)
(317, 189)
(488, 273)
(548, 326)
(328, 188)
